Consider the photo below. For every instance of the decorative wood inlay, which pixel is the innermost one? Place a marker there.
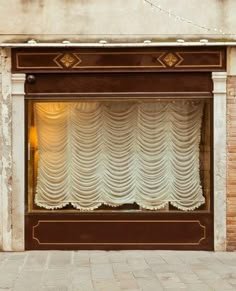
(67, 60)
(161, 59)
(187, 60)
(170, 59)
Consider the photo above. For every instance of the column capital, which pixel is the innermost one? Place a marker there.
(18, 84)
(219, 75)
(219, 82)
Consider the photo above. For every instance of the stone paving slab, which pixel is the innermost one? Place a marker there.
(117, 271)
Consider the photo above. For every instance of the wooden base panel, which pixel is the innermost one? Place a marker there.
(113, 231)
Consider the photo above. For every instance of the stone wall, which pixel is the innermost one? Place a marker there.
(231, 148)
(231, 163)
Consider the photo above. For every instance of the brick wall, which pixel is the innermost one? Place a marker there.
(231, 163)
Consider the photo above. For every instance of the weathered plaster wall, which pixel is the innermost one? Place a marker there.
(83, 20)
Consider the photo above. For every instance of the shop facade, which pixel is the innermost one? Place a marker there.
(126, 145)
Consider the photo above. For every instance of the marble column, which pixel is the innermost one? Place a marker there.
(219, 133)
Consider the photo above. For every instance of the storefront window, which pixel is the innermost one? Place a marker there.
(119, 156)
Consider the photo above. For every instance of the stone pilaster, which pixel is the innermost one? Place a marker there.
(219, 133)
(6, 151)
(18, 165)
(12, 156)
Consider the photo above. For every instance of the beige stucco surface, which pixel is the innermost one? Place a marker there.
(231, 61)
(82, 20)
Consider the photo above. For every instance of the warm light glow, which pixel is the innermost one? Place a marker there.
(33, 137)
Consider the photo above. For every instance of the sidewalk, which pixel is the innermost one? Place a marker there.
(121, 270)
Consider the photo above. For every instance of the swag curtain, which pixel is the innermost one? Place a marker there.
(113, 153)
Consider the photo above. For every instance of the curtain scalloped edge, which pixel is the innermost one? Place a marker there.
(51, 207)
(84, 208)
(187, 208)
(60, 206)
(148, 207)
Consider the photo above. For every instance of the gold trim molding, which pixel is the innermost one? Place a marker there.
(203, 227)
(166, 59)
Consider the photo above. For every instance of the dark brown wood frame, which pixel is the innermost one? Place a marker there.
(109, 74)
(168, 59)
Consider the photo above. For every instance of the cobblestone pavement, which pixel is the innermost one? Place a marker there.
(121, 270)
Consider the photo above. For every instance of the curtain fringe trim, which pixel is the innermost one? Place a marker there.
(62, 205)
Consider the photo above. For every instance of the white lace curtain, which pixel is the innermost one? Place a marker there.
(113, 153)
